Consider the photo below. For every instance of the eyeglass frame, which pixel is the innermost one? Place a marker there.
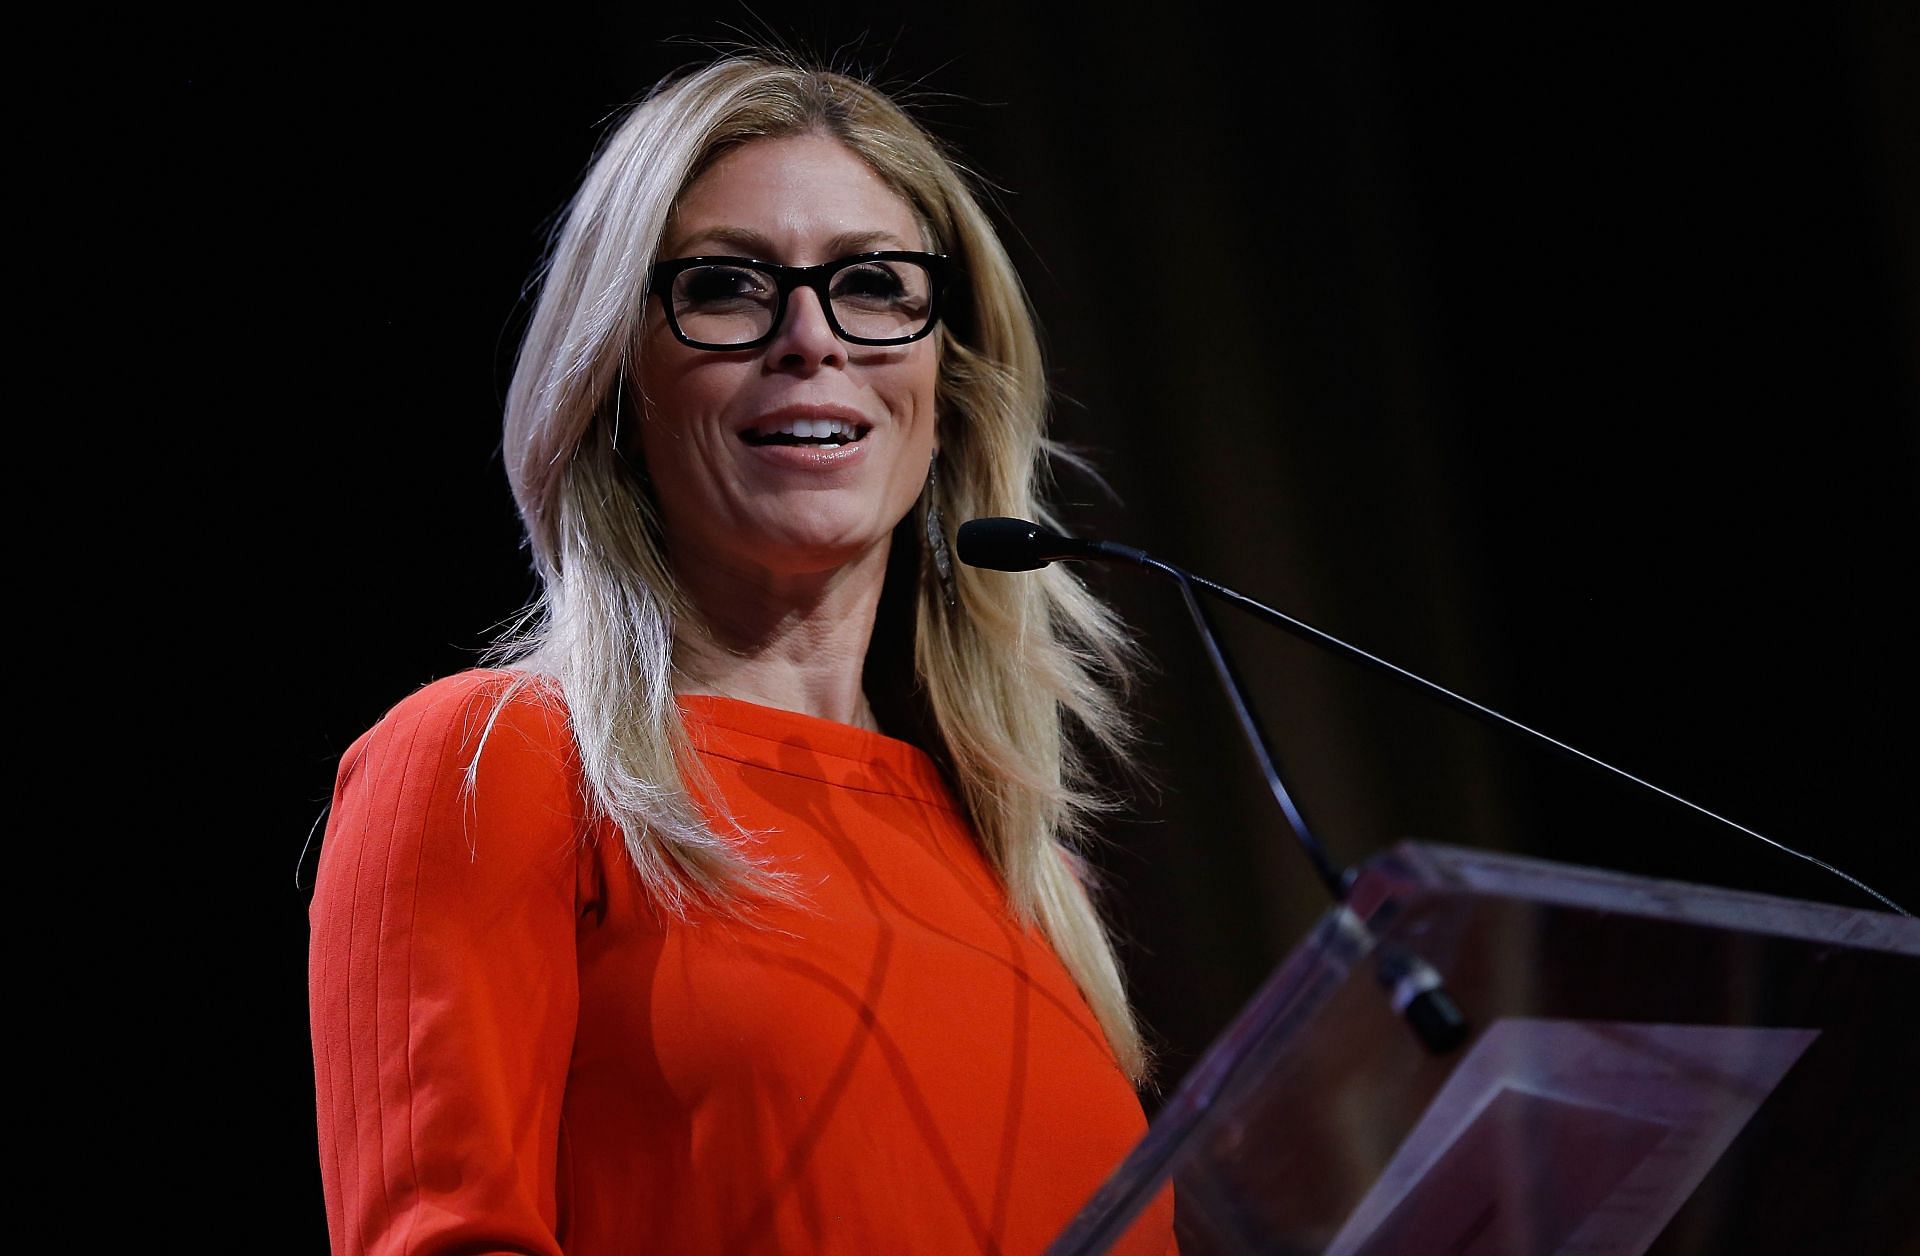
(939, 268)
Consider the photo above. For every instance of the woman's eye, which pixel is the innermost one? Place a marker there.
(874, 282)
(714, 285)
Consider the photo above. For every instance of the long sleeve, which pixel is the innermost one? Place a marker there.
(442, 977)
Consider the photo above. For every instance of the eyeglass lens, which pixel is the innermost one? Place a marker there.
(729, 303)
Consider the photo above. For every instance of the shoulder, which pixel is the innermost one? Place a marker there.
(467, 780)
(488, 750)
(521, 700)
(519, 720)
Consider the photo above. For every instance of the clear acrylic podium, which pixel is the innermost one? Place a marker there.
(1652, 1066)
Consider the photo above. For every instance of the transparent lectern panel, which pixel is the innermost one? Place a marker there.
(1651, 1066)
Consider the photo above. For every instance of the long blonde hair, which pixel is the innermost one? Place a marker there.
(998, 676)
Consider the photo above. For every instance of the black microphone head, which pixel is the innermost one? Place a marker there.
(1011, 545)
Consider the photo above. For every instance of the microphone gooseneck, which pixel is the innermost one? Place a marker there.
(1017, 545)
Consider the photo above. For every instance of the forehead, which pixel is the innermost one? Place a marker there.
(807, 197)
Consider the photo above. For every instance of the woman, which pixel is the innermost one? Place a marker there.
(734, 912)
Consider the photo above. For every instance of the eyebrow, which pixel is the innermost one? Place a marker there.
(755, 245)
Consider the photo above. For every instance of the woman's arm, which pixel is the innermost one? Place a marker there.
(442, 976)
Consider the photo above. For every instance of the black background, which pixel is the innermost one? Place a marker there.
(1569, 361)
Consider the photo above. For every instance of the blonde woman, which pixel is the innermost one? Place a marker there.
(736, 909)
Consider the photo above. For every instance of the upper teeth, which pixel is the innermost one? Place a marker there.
(813, 428)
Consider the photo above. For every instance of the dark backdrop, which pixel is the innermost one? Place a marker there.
(1569, 361)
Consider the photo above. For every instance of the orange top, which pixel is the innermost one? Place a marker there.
(515, 1054)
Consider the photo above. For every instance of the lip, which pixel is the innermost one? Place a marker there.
(809, 457)
(783, 414)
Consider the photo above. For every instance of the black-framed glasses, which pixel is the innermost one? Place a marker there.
(727, 303)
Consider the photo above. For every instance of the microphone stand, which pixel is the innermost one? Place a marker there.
(1412, 985)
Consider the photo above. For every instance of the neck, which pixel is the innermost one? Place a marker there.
(793, 641)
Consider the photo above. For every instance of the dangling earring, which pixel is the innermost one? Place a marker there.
(937, 537)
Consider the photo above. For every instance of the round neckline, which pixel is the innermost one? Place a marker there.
(752, 732)
(741, 716)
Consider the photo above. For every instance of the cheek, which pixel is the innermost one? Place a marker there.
(659, 376)
(919, 398)
(665, 445)
(672, 392)
(926, 393)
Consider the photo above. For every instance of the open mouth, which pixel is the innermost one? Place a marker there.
(822, 433)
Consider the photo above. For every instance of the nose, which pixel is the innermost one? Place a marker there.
(805, 340)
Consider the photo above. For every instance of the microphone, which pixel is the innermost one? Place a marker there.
(1016, 545)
